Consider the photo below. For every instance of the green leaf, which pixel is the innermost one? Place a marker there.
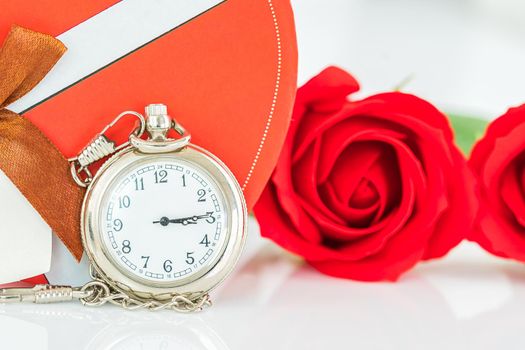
(467, 131)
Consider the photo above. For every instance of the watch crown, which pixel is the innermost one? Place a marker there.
(156, 109)
(158, 122)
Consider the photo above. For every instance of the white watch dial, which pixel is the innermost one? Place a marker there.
(164, 220)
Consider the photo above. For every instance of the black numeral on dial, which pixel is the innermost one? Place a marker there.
(139, 184)
(126, 246)
(201, 193)
(210, 219)
(124, 202)
(189, 258)
(161, 177)
(167, 266)
(146, 260)
(205, 241)
(117, 225)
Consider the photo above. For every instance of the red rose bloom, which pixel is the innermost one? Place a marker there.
(499, 162)
(365, 189)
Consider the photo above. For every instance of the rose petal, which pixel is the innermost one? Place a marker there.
(511, 193)
(304, 175)
(275, 224)
(434, 148)
(337, 140)
(497, 231)
(389, 265)
(403, 252)
(373, 166)
(353, 216)
(496, 129)
(365, 195)
(413, 106)
(413, 187)
(385, 176)
(463, 201)
(501, 237)
(341, 129)
(521, 171)
(328, 90)
(351, 169)
(506, 149)
(290, 204)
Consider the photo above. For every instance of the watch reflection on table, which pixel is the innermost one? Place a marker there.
(187, 334)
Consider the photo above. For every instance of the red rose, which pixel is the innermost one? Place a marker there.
(365, 189)
(499, 162)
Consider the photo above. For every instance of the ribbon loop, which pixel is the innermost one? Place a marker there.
(25, 58)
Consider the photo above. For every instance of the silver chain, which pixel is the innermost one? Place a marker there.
(99, 293)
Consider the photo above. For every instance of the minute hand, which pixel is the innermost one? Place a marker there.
(194, 219)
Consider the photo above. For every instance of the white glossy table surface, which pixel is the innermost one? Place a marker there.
(465, 56)
(273, 301)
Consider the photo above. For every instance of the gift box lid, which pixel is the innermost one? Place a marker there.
(226, 69)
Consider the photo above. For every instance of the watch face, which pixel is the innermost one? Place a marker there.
(163, 220)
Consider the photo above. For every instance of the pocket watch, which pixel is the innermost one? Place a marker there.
(163, 220)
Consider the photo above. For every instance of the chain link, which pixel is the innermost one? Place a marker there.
(99, 293)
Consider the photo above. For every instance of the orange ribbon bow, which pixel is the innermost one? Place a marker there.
(27, 156)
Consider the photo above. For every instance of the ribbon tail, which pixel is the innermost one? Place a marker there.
(27, 157)
(41, 173)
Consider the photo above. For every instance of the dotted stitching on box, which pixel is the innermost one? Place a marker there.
(274, 101)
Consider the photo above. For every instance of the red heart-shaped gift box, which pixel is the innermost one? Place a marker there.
(228, 75)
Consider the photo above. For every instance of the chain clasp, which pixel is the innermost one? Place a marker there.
(100, 147)
(41, 294)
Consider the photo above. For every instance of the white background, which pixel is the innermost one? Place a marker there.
(464, 56)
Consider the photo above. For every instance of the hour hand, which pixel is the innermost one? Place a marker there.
(164, 221)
